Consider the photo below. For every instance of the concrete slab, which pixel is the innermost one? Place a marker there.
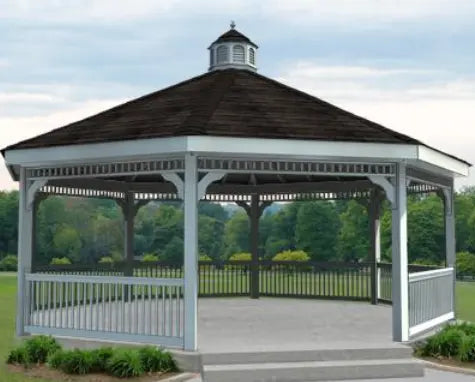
(243, 324)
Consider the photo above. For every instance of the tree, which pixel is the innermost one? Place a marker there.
(210, 236)
(67, 243)
(281, 235)
(8, 222)
(173, 251)
(353, 238)
(236, 234)
(316, 231)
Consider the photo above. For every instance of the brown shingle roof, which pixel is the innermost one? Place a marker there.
(233, 35)
(233, 103)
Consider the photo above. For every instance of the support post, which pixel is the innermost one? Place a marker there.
(25, 246)
(191, 253)
(400, 277)
(450, 243)
(129, 217)
(254, 244)
(374, 212)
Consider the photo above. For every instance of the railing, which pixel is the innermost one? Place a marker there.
(135, 309)
(233, 278)
(312, 279)
(431, 299)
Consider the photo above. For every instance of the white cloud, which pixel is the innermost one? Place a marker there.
(440, 115)
(15, 129)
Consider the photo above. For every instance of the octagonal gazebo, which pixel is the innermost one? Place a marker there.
(229, 135)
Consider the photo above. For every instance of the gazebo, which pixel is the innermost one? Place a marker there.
(229, 135)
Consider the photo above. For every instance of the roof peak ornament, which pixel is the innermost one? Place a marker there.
(233, 24)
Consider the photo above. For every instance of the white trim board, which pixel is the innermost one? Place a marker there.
(431, 324)
(231, 146)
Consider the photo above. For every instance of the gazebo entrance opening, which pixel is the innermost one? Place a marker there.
(146, 302)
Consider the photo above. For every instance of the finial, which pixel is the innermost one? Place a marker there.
(233, 24)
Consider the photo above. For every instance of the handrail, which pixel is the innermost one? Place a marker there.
(105, 279)
(418, 276)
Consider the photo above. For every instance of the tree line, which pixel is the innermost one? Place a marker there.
(85, 230)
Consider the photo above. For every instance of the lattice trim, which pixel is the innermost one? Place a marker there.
(294, 167)
(106, 169)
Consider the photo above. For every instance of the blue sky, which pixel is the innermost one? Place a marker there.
(409, 65)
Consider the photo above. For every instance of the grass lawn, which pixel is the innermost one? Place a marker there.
(465, 311)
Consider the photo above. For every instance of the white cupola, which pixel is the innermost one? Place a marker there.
(233, 50)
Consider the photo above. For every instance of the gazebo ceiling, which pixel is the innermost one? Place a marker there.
(231, 103)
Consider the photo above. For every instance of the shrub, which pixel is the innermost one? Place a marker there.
(204, 257)
(74, 361)
(125, 363)
(451, 342)
(467, 328)
(467, 349)
(243, 256)
(106, 260)
(39, 348)
(154, 360)
(100, 357)
(60, 261)
(292, 256)
(9, 263)
(149, 257)
(18, 356)
(55, 360)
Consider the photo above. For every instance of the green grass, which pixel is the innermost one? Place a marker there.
(465, 311)
(465, 300)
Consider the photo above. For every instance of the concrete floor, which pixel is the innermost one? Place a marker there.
(243, 324)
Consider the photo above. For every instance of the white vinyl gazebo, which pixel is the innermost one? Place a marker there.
(229, 135)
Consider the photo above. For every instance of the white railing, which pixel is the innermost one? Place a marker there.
(431, 299)
(130, 309)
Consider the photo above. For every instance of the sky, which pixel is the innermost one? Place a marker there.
(409, 65)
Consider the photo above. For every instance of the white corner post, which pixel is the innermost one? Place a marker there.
(374, 212)
(396, 192)
(400, 276)
(450, 243)
(191, 253)
(25, 245)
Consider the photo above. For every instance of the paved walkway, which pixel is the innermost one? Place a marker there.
(243, 324)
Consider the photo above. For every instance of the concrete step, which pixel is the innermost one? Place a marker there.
(350, 354)
(313, 371)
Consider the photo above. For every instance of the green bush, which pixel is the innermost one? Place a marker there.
(465, 264)
(18, 356)
(243, 256)
(125, 363)
(149, 257)
(55, 360)
(204, 257)
(154, 360)
(9, 263)
(40, 347)
(100, 357)
(74, 361)
(292, 256)
(60, 261)
(453, 341)
(106, 260)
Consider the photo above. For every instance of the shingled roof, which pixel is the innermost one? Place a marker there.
(232, 103)
(233, 35)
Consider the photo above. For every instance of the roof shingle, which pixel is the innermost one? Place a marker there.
(233, 103)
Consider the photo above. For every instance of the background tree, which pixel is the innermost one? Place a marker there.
(353, 238)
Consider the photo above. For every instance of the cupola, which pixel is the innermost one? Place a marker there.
(233, 50)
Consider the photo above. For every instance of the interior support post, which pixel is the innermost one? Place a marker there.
(191, 253)
(25, 247)
(400, 276)
(254, 216)
(374, 213)
(129, 217)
